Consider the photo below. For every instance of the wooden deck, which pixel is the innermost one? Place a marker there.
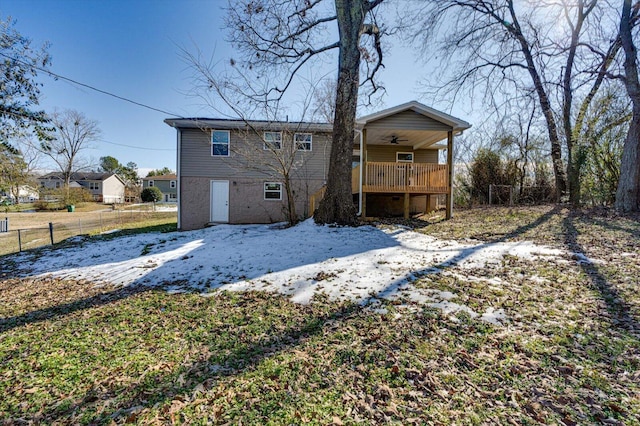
(395, 178)
(401, 178)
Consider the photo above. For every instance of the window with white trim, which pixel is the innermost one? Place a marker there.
(303, 141)
(404, 157)
(220, 143)
(150, 183)
(94, 186)
(272, 140)
(272, 191)
(172, 184)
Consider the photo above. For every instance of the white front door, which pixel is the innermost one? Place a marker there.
(219, 201)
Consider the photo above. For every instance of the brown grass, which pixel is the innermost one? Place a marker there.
(34, 227)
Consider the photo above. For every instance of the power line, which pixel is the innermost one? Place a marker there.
(104, 92)
(136, 147)
(106, 141)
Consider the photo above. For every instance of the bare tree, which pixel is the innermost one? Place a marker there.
(324, 100)
(73, 133)
(282, 159)
(276, 40)
(13, 171)
(519, 138)
(26, 160)
(606, 127)
(563, 49)
(628, 193)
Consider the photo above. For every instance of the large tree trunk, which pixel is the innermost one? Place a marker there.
(292, 215)
(628, 193)
(337, 205)
(545, 104)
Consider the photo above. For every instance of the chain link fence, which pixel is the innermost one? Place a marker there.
(16, 240)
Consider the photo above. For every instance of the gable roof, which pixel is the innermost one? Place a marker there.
(238, 124)
(161, 177)
(455, 123)
(81, 176)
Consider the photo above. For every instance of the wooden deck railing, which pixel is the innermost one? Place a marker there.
(425, 178)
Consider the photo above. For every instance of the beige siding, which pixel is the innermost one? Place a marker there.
(246, 201)
(247, 157)
(426, 156)
(408, 120)
(387, 153)
(112, 190)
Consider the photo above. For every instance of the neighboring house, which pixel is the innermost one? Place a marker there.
(167, 184)
(104, 187)
(26, 194)
(396, 165)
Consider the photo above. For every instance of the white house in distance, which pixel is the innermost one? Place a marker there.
(26, 194)
(104, 187)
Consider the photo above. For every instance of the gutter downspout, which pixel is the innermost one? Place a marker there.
(179, 143)
(360, 182)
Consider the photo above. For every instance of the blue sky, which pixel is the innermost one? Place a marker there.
(132, 48)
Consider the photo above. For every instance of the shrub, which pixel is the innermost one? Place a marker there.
(487, 169)
(151, 195)
(59, 198)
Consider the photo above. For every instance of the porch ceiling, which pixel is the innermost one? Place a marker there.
(416, 139)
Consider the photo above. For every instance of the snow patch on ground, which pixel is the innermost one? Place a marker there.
(363, 264)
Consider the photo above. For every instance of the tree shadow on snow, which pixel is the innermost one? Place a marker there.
(618, 309)
(198, 261)
(202, 374)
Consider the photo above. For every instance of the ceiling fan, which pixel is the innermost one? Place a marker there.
(395, 140)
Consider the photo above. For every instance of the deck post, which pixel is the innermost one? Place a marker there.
(449, 212)
(364, 205)
(407, 198)
(363, 165)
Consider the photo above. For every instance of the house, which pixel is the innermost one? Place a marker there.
(397, 168)
(401, 168)
(26, 194)
(104, 187)
(167, 184)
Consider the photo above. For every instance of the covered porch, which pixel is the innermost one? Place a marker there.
(398, 158)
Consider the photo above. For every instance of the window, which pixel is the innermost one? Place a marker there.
(57, 184)
(220, 143)
(172, 184)
(404, 157)
(173, 196)
(272, 191)
(303, 141)
(94, 186)
(150, 183)
(272, 140)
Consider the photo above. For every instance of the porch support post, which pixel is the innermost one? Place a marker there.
(363, 165)
(364, 205)
(449, 211)
(407, 198)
